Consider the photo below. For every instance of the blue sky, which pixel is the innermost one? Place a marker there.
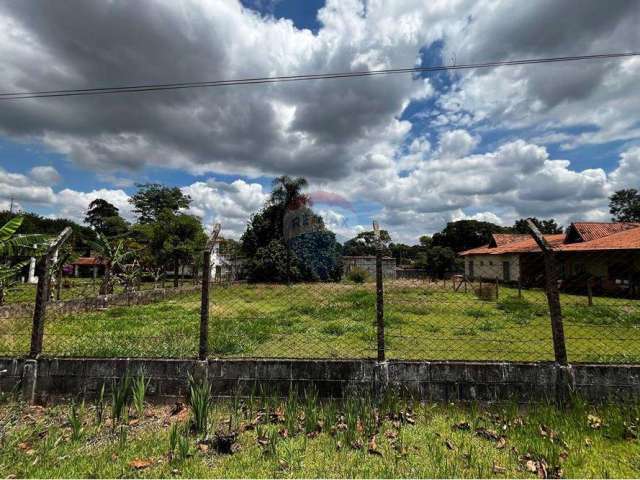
(413, 152)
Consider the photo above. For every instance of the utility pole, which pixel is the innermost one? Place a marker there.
(11, 206)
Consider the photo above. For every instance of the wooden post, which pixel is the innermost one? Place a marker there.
(497, 289)
(590, 291)
(204, 297)
(553, 296)
(519, 287)
(42, 293)
(379, 294)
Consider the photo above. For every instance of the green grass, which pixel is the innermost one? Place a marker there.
(328, 439)
(422, 321)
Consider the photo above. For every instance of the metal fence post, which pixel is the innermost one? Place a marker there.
(553, 296)
(204, 296)
(379, 294)
(43, 269)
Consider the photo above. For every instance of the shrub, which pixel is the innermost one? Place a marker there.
(358, 275)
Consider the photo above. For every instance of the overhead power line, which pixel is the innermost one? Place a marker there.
(298, 78)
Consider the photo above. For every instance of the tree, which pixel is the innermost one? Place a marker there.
(272, 263)
(437, 261)
(152, 199)
(547, 227)
(318, 256)
(183, 239)
(466, 234)
(313, 254)
(365, 243)
(624, 205)
(33, 223)
(113, 258)
(287, 192)
(105, 218)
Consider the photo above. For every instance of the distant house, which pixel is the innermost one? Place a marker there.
(85, 267)
(224, 266)
(368, 263)
(607, 254)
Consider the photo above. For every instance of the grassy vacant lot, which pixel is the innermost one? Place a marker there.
(290, 438)
(422, 321)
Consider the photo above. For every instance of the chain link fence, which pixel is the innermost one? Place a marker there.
(521, 298)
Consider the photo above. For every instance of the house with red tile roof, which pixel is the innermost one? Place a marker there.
(605, 254)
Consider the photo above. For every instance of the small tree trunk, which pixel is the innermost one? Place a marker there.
(176, 267)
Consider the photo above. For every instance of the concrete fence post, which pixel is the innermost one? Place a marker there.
(204, 296)
(43, 268)
(379, 294)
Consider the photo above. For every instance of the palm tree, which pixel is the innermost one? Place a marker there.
(112, 258)
(12, 246)
(287, 192)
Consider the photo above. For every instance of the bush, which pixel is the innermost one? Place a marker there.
(358, 275)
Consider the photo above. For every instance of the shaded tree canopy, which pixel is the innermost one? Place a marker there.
(624, 205)
(466, 234)
(437, 260)
(152, 199)
(308, 256)
(365, 243)
(105, 218)
(33, 223)
(546, 226)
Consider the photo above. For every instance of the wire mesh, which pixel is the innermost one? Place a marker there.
(303, 320)
(145, 321)
(493, 306)
(16, 314)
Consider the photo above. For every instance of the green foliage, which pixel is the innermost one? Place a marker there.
(113, 257)
(358, 275)
(33, 224)
(547, 227)
(139, 390)
(437, 261)
(75, 422)
(624, 205)
(153, 199)
(466, 234)
(105, 218)
(310, 256)
(199, 398)
(365, 243)
(173, 441)
(12, 244)
(318, 256)
(272, 263)
(120, 395)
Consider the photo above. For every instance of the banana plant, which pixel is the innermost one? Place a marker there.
(12, 247)
(113, 258)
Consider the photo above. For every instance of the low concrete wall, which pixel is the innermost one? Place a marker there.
(434, 381)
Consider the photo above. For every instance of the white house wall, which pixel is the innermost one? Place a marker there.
(491, 267)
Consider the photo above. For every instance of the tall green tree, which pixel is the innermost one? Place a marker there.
(105, 218)
(624, 205)
(466, 234)
(152, 199)
(309, 256)
(437, 261)
(287, 192)
(365, 243)
(546, 226)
